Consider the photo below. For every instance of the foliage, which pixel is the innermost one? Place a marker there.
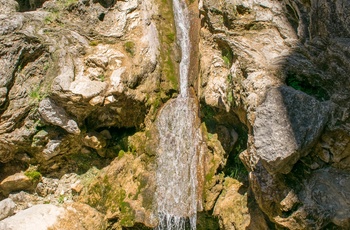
(294, 81)
(207, 115)
(101, 77)
(61, 199)
(235, 168)
(227, 56)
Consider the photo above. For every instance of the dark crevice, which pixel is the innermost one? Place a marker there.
(293, 18)
(30, 5)
(215, 118)
(234, 166)
(226, 52)
(106, 3)
(137, 226)
(206, 221)
(301, 83)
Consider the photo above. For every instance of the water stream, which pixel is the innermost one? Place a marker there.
(176, 194)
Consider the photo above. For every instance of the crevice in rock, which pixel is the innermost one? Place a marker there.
(206, 220)
(232, 134)
(226, 51)
(30, 5)
(300, 82)
(137, 226)
(119, 138)
(292, 17)
(106, 3)
(234, 166)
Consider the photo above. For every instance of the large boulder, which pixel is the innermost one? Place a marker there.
(287, 125)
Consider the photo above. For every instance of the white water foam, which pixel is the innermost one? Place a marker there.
(176, 194)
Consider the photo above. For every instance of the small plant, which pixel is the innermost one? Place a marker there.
(46, 66)
(101, 77)
(227, 56)
(36, 95)
(171, 36)
(130, 47)
(33, 175)
(94, 42)
(61, 199)
(52, 17)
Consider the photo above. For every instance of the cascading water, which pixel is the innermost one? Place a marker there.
(176, 194)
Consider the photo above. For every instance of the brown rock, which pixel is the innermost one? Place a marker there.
(16, 182)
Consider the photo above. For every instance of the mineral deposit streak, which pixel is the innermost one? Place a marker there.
(176, 194)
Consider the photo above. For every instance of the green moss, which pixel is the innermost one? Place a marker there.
(167, 33)
(104, 196)
(227, 56)
(84, 162)
(171, 36)
(127, 218)
(130, 47)
(34, 176)
(121, 154)
(94, 42)
(101, 77)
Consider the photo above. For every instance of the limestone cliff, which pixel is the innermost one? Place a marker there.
(81, 82)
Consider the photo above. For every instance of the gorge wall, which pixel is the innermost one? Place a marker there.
(82, 82)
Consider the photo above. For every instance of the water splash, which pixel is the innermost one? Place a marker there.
(177, 165)
(176, 194)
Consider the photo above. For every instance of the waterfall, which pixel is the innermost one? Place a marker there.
(182, 22)
(176, 194)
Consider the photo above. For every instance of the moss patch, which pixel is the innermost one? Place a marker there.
(167, 33)
(103, 196)
(33, 175)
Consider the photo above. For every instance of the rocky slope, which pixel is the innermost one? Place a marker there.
(82, 81)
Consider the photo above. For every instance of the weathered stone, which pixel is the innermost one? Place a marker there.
(94, 140)
(38, 217)
(47, 186)
(86, 218)
(287, 124)
(16, 182)
(7, 208)
(235, 211)
(9, 6)
(56, 115)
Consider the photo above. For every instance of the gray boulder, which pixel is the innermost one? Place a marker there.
(287, 124)
(7, 208)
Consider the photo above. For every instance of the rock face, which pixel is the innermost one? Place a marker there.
(280, 67)
(47, 216)
(7, 208)
(81, 84)
(287, 125)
